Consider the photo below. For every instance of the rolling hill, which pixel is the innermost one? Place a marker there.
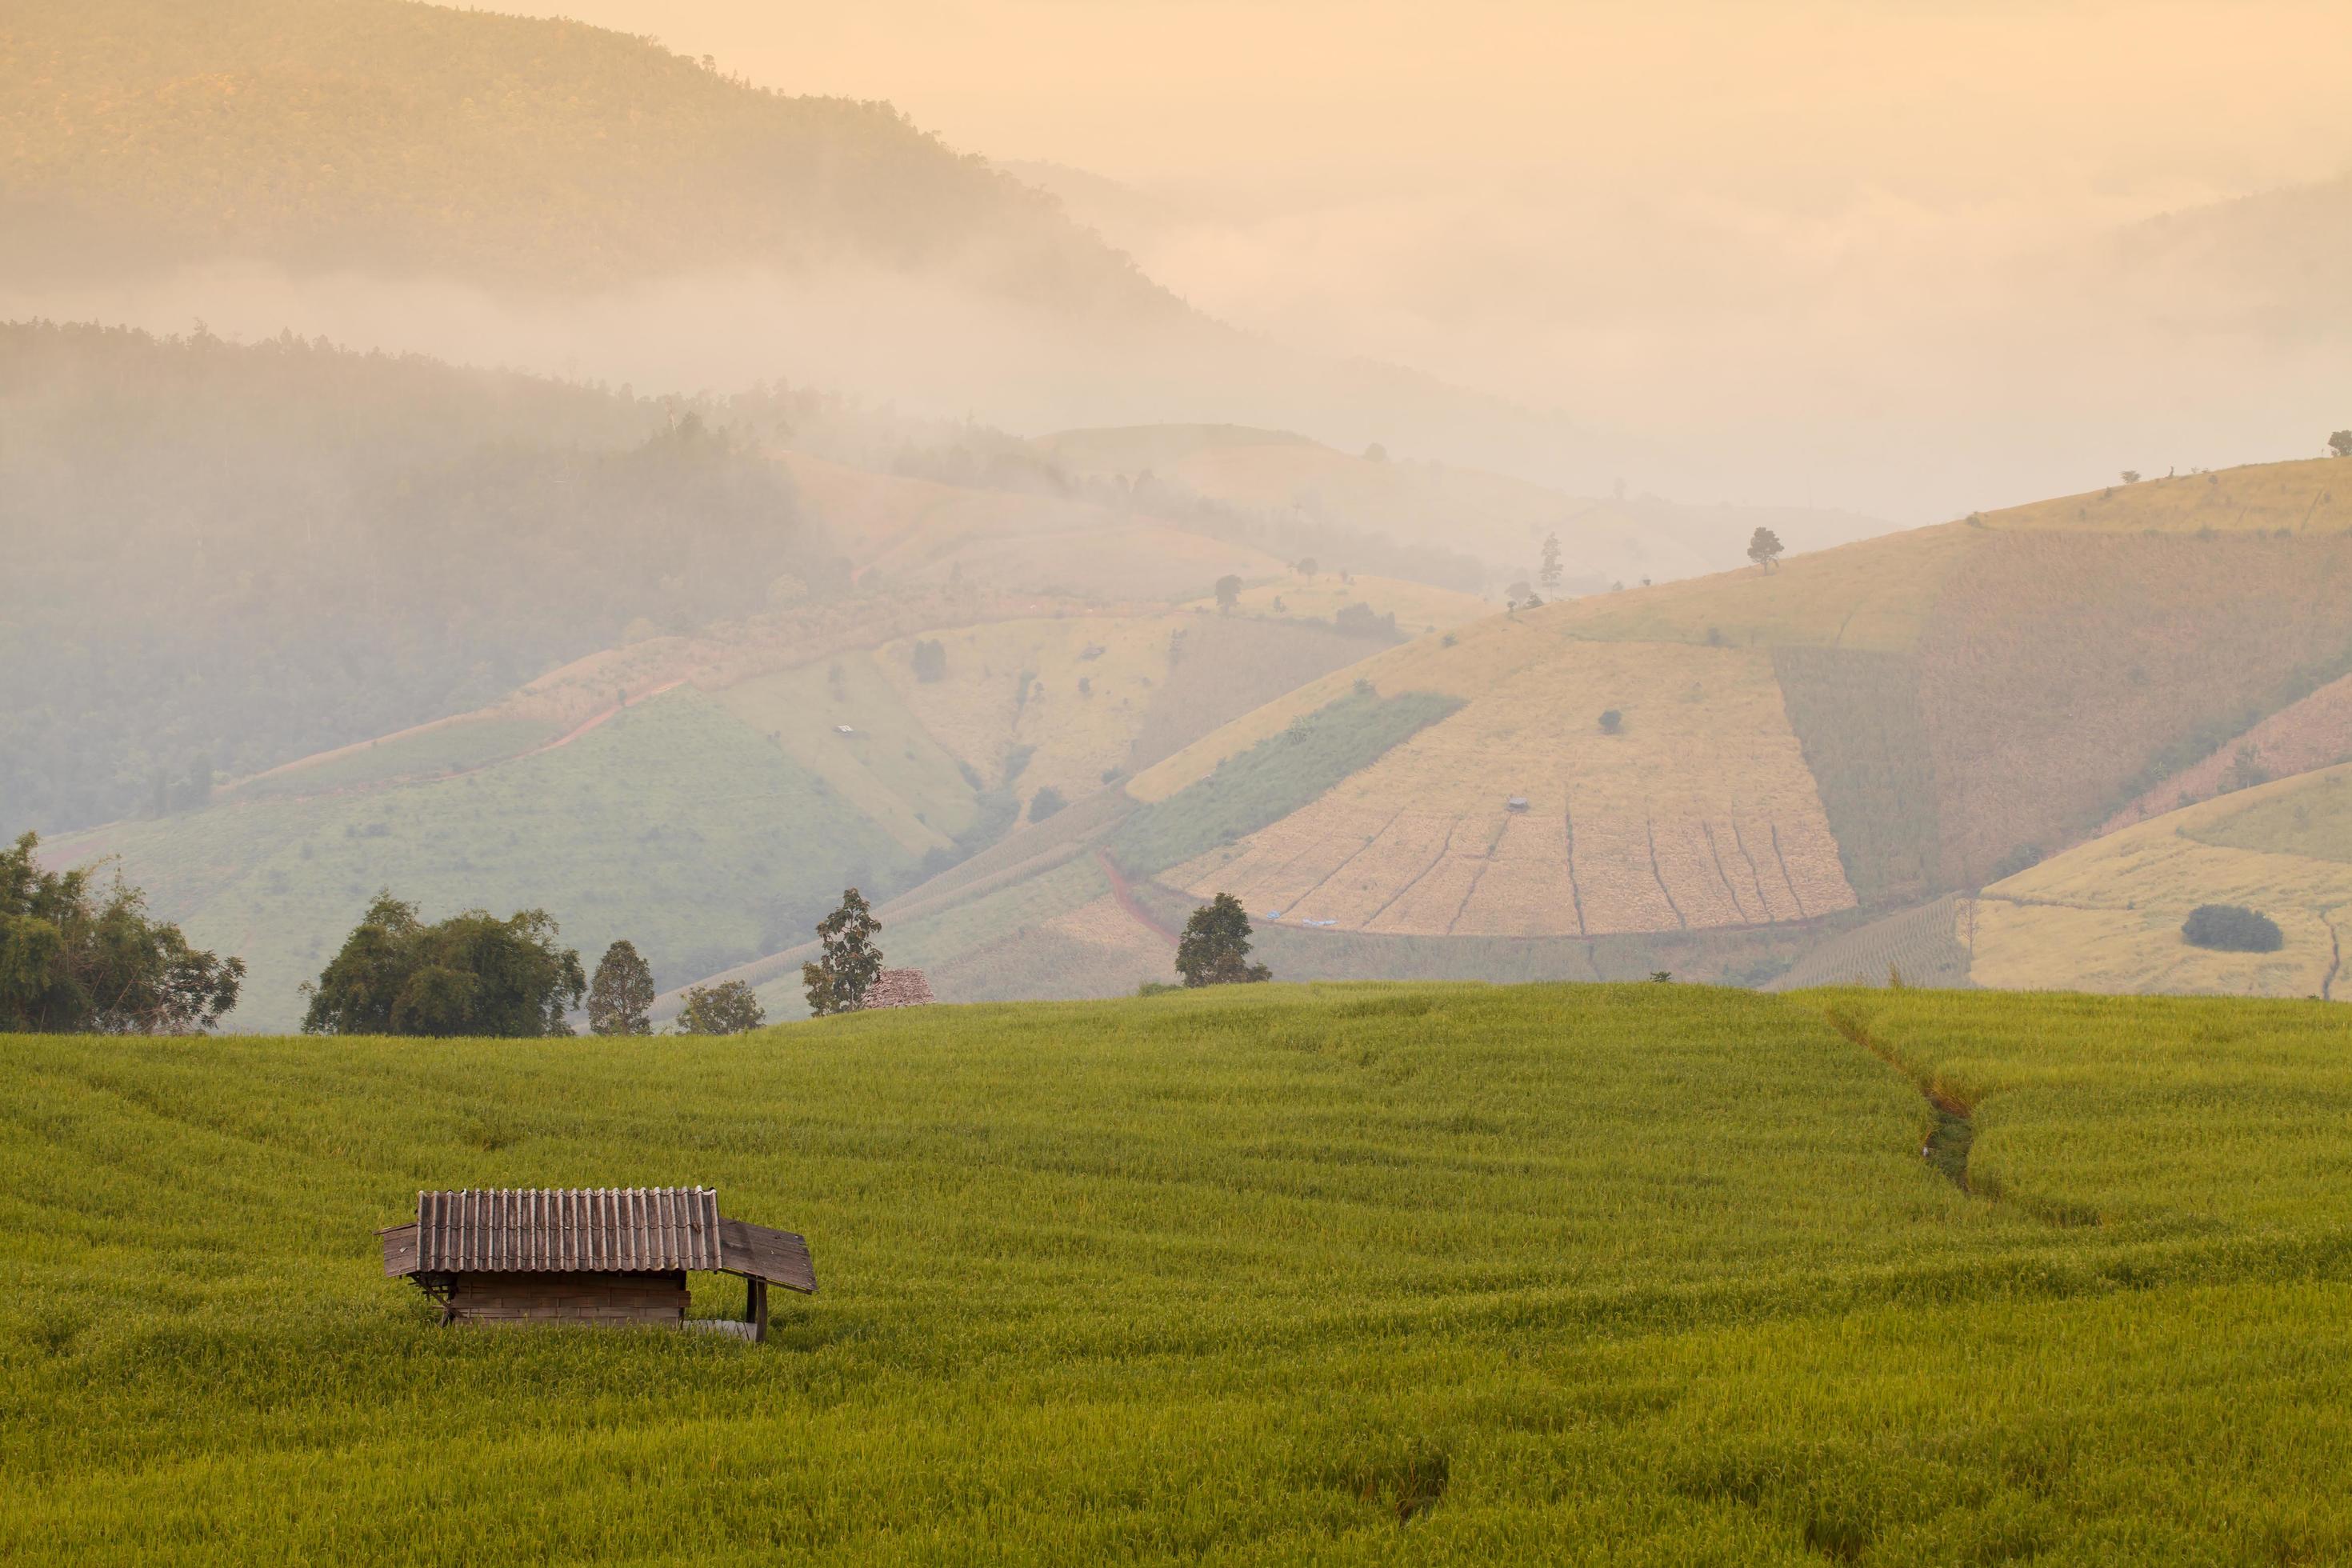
(1712, 776)
(139, 134)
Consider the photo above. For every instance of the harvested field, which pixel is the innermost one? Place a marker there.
(2106, 916)
(1620, 832)
(2308, 496)
(2311, 733)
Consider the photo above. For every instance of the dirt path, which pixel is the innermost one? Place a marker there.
(1120, 890)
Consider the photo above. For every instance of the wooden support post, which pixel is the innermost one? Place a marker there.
(755, 1309)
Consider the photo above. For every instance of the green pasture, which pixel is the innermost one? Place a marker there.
(1344, 1273)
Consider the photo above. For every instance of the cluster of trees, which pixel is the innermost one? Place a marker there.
(2231, 928)
(392, 540)
(76, 960)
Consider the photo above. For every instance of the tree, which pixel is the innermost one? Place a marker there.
(1045, 803)
(2131, 476)
(621, 997)
(1229, 592)
(1549, 575)
(2231, 928)
(2341, 442)
(729, 1007)
(471, 974)
(1611, 721)
(1214, 949)
(1305, 567)
(838, 982)
(72, 962)
(1764, 547)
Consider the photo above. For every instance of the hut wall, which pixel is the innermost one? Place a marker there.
(568, 1298)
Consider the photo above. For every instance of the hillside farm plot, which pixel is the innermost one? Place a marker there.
(2106, 916)
(1693, 809)
(1643, 1274)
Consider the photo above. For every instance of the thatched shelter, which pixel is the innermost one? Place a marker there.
(900, 988)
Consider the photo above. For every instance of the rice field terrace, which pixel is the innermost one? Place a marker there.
(1344, 1273)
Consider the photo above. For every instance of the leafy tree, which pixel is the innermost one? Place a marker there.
(72, 962)
(1229, 592)
(1376, 453)
(1611, 721)
(2231, 928)
(471, 974)
(838, 983)
(1549, 575)
(1764, 547)
(1305, 567)
(729, 1007)
(930, 659)
(2341, 442)
(621, 997)
(1045, 803)
(2131, 476)
(1214, 949)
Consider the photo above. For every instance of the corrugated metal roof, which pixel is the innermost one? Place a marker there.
(619, 1230)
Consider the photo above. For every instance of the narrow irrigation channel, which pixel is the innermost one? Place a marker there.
(1953, 1133)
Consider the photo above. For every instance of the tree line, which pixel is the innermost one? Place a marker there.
(78, 959)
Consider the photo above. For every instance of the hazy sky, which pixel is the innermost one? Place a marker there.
(1640, 215)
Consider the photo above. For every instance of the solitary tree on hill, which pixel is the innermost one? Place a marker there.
(729, 1007)
(2341, 442)
(1214, 949)
(1764, 548)
(1549, 575)
(621, 997)
(1229, 592)
(838, 982)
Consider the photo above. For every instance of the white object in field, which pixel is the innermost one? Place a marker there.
(1518, 803)
(843, 730)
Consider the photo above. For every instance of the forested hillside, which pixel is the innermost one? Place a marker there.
(325, 133)
(223, 557)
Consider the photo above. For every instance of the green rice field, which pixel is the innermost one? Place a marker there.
(1340, 1273)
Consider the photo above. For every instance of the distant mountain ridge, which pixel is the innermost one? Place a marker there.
(328, 133)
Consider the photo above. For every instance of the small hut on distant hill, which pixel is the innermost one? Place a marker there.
(900, 988)
(587, 1254)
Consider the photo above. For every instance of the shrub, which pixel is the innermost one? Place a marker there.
(2231, 928)
(729, 1007)
(1045, 803)
(1611, 722)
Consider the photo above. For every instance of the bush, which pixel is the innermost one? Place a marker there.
(2231, 928)
(1611, 722)
(1045, 803)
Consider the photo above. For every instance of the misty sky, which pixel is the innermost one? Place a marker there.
(1646, 216)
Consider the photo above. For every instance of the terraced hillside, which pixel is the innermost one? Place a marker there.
(2107, 916)
(1641, 1275)
(1716, 776)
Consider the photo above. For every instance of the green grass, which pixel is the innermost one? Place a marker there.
(674, 825)
(449, 749)
(1336, 1274)
(1274, 777)
(2313, 819)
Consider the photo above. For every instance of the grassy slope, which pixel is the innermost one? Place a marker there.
(674, 825)
(1635, 1274)
(2106, 916)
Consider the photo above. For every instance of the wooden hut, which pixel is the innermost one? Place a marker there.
(587, 1254)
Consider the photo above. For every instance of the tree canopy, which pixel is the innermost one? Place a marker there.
(1214, 949)
(621, 997)
(1764, 547)
(76, 961)
(729, 1007)
(838, 981)
(471, 974)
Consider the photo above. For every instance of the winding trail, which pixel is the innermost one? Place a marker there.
(1125, 894)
